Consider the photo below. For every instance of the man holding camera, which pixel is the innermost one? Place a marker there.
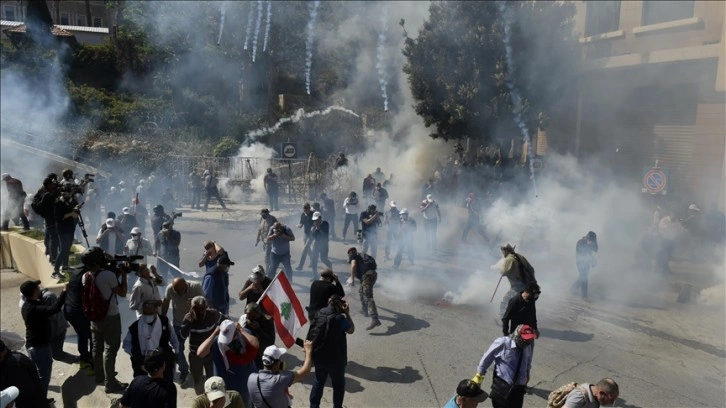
(111, 239)
(319, 234)
(16, 198)
(146, 288)
(216, 284)
(321, 290)
(159, 218)
(279, 238)
(67, 210)
(166, 248)
(255, 285)
(369, 222)
(106, 332)
(48, 196)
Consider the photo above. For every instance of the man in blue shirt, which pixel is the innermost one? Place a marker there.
(216, 285)
(512, 359)
(468, 395)
(279, 238)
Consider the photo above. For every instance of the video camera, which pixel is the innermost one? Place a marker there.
(124, 261)
(175, 215)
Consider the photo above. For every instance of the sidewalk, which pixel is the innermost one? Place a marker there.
(236, 212)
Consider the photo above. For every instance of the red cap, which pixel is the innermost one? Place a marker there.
(527, 332)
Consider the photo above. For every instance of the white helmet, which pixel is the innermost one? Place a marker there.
(403, 211)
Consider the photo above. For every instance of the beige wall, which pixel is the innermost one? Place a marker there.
(708, 154)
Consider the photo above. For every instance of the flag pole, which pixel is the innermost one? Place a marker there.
(269, 286)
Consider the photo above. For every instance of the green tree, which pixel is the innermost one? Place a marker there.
(457, 71)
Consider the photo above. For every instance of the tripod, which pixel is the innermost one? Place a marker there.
(82, 225)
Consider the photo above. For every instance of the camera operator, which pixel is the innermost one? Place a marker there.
(46, 197)
(370, 220)
(159, 218)
(111, 239)
(279, 238)
(106, 332)
(321, 290)
(145, 288)
(166, 246)
(67, 211)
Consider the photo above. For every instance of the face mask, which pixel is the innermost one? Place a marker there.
(149, 318)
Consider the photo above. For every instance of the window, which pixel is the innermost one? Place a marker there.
(81, 20)
(655, 12)
(602, 17)
(97, 22)
(9, 13)
(65, 19)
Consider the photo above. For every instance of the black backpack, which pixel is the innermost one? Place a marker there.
(319, 329)
(36, 204)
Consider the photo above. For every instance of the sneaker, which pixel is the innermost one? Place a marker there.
(57, 275)
(374, 323)
(183, 378)
(115, 387)
(299, 268)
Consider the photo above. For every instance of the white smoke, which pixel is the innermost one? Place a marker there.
(513, 91)
(257, 30)
(297, 117)
(268, 22)
(309, 43)
(248, 30)
(382, 81)
(223, 12)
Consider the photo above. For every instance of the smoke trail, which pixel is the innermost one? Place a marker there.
(257, 30)
(309, 43)
(223, 12)
(513, 91)
(248, 31)
(267, 25)
(297, 117)
(382, 81)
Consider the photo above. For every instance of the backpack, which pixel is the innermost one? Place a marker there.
(95, 306)
(557, 398)
(318, 332)
(35, 204)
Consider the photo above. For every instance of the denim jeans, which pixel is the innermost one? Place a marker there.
(336, 371)
(182, 360)
(66, 241)
(276, 260)
(82, 326)
(43, 359)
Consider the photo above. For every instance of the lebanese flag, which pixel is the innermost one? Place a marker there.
(281, 302)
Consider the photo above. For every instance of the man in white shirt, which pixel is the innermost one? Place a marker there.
(351, 207)
(146, 288)
(137, 245)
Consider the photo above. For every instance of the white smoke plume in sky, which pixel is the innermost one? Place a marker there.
(257, 30)
(268, 22)
(382, 81)
(297, 117)
(223, 12)
(309, 43)
(513, 91)
(248, 30)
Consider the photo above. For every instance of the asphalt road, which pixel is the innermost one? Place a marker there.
(662, 353)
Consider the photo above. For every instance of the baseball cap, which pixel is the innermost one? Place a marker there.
(316, 216)
(126, 210)
(470, 389)
(272, 354)
(28, 287)
(226, 331)
(8, 395)
(526, 332)
(110, 222)
(224, 259)
(429, 197)
(215, 388)
(403, 211)
(393, 203)
(135, 230)
(694, 207)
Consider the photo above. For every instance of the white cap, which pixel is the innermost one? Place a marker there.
(272, 354)
(8, 395)
(393, 203)
(110, 222)
(429, 197)
(215, 388)
(694, 207)
(121, 183)
(403, 211)
(126, 210)
(135, 230)
(316, 216)
(226, 331)
(5, 176)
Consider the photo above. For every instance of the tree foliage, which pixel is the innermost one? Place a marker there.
(457, 71)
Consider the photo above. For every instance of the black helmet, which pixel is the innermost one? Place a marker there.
(158, 209)
(93, 256)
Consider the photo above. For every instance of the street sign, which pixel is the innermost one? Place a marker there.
(655, 181)
(289, 150)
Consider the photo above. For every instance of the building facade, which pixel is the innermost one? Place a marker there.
(64, 13)
(653, 92)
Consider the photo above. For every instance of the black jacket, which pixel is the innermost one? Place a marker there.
(519, 312)
(320, 292)
(19, 370)
(37, 323)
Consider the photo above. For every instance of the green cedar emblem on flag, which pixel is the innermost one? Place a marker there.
(286, 310)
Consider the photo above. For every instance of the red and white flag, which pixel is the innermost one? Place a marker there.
(280, 301)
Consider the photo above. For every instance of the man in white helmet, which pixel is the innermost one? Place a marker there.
(137, 245)
(406, 233)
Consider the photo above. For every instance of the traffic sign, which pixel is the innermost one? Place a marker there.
(655, 181)
(289, 150)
